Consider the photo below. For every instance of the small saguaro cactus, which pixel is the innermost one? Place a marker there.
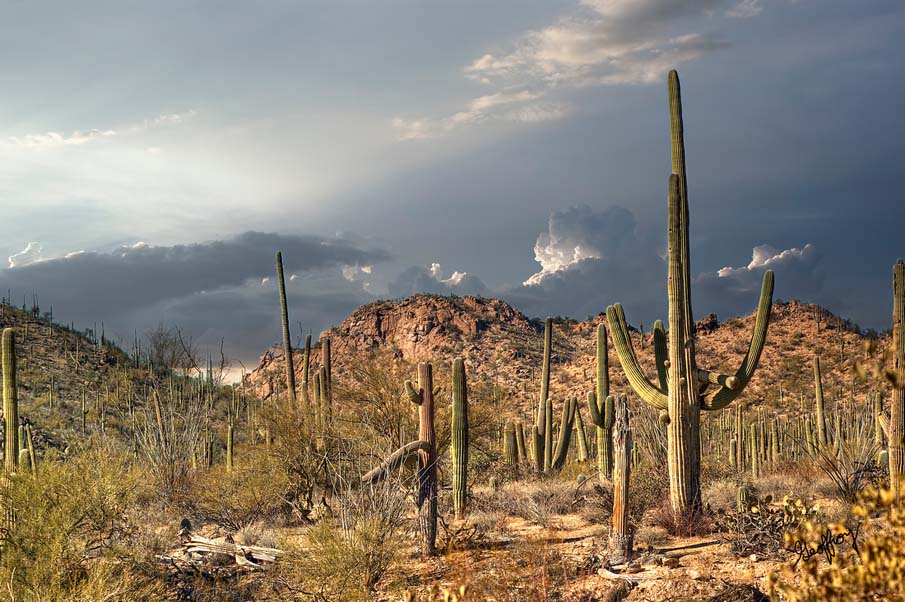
(458, 447)
(287, 343)
(10, 402)
(306, 365)
(565, 434)
(822, 438)
(894, 424)
(423, 397)
(600, 405)
(510, 450)
(686, 393)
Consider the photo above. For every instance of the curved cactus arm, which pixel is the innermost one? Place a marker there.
(596, 417)
(565, 434)
(661, 354)
(715, 378)
(413, 394)
(646, 390)
(884, 423)
(723, 396)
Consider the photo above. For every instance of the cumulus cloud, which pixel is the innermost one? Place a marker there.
(733, 291)
(433, 279)
(601, 43)
(590, 259)
(30, 254)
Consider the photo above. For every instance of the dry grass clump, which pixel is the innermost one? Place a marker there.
(253, 492)
(344, 556)
(538, 502)
(721, 494)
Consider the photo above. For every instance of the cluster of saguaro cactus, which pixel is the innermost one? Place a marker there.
(686, 392)
(458, 447)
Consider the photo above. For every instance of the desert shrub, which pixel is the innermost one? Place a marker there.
(851, 463)
(343, 557)
(169, 431)
(761, 528)
(648, 487)
(873, 571)
(70, 538)
(255, 491)
(721, 494)
(538, 502)
(650, 536)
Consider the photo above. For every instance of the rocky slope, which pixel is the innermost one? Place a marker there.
(501, 344)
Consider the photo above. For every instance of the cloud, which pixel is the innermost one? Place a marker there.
(732, 291)
(30, 254)
(127, 286)
(601, 43)
(51, 140)
(590, 259)
(501, 106)
(433, 279)
(745, 9)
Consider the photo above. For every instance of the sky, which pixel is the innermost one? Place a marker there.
(154, 156)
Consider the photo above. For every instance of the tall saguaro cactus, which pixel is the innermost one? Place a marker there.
(423, 397)
(894, 425)
(688, 389)
(10, 402)
(458, 447)
(543, 447)
(287, 343)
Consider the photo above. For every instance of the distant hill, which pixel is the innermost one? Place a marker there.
(501, 344)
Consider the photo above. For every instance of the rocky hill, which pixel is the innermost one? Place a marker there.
(501, 344)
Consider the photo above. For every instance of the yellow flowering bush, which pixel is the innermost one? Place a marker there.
(862, 558)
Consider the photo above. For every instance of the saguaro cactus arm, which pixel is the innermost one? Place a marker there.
(645, 389)
(726, 394)
(414, 394)
(661, 354)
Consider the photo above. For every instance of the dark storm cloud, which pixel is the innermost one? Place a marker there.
(222, 288)
(130, 277)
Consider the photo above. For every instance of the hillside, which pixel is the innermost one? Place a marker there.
(501, 344)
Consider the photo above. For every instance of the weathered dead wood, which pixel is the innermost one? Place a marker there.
(395, 460)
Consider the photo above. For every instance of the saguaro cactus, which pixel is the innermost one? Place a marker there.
(620, 544)
(458, 447)
(10, 402)
(423, 397)
(600, 405)
(510, 450)
(569, 408)
(894, 425)
(822, 438)
(543, 447)
(686, 393)
(287, 344)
